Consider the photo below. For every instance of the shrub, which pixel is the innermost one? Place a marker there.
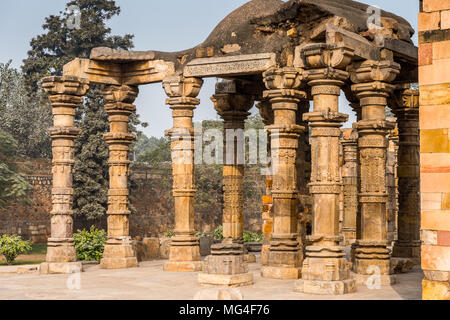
(252, 237)
(218, 233)
(169, 234)
(12, 246)
(90, 244)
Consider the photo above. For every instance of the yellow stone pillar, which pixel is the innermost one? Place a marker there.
(325, 269)
(65, 94)
(184, 247)
(372, 88)
(284, 253)
(406, 108)
(233, 109)
(119, 252)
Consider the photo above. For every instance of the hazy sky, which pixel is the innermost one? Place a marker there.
(157, 25)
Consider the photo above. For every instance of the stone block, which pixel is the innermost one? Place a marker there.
(435, 5)
(219, 294)
(152, 248)
(164, 248)
(425, 54)
(234, 280)
(325, 269)
(402, 265)
(435, 73)
(445, 201)
(367, 266)
(445, 19)
(325, 287)
(434, 141)
(28, 269)
(250, 258)
(437, 275)
(429, 237)
(119, 263)
(281, 272)
(435, 290)
(253, 246)
(431, 201)
(435, 182)
(183, 266)
(443, 238)
(435, 117)
(435, 220)
(373, 280)
(205, 246)
(265, 254)
(429, 21)
(184, 253)
(436, 258)
(435, 94)
(225, 264)
(60, 268)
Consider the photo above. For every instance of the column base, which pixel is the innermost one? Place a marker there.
(407, 250)
(60, 267)
(435, 290)
(183, 266)
(384, 279)
(372, 266)
(61, 250)
(281, 272)
(118, 256)
(249, 258)
(265, 254)
(325, 287)
(226, 280)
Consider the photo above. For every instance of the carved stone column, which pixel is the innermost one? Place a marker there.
(372, 89)
(350, 181)
(65, 94)
(184, 247)
(325, 269)
(266, 112)
(406, 109)
(284, 255)
(227, 264)
(119, 252)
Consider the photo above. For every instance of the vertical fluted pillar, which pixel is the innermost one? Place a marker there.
(119, 252)
(406, 110)
(184, 247)
(372, 88)
(325, 269)
(350, 183)
(284, 253)
(65, 94)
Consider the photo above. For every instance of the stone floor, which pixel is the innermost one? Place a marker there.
(149, 282)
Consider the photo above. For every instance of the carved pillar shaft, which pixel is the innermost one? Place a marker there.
(408, 171)
(372, 91)
(65, 94)
(350, 184)
(184, 247)
(119, 252)
(284, 256)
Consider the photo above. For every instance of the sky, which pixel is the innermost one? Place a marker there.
(157, 25)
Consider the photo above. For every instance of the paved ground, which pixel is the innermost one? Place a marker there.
(149, 282)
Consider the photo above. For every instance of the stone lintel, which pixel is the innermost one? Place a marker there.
(129, 73)
(401, 49)
(230, 65)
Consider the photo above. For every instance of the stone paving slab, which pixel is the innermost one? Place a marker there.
(149, 282)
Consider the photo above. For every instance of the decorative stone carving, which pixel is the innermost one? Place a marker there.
(372, 89)
(405, 105)
(119, 252)
(284, 253)
(325, 269)
(184, 247)
(65, 94)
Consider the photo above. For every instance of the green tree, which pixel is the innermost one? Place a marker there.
(50, 51)
(13, 184)
(26, 117)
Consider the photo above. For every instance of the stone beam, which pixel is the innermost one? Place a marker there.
(400, 49)
(131, 73)
(230, 65)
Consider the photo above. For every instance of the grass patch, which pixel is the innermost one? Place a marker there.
(38, 249)
(21, 262)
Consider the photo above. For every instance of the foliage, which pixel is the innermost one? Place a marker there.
(13, 184)
(157, 151)
(90, 244)
(169, 234)
(252, 237)
(218, 233)
(26, 116)
(13, 246)
(49, 52)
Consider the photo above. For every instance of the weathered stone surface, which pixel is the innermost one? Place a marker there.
(325, 287)
(374, 280)
(219, 294)
(227, 280)
(60, 268)
(435, 290)
(281, 272)
(183, 266)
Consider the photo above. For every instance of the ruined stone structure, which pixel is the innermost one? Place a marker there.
(283, 55)
(434, 80)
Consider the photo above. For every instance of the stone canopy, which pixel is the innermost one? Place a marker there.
(259, 35)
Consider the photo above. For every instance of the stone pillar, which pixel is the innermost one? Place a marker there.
(184, 247)
(266, 112)
(284, 253)
(391, 182)
(227, 265)
(325, 269)
(407, 112)
(372, 89)
(350, 182)
(119, 252)
(65, 94)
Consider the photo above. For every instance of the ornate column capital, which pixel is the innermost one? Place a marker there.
(232, 106)
(283, 82)
(182, 90)
(65, 85)
(405, 104)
